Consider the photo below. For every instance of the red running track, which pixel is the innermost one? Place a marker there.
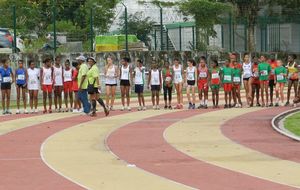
(142, 143)
(259, 135)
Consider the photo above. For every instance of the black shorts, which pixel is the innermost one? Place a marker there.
(124, 83)
(247, 79)
(139, 88)
(271, 83)
(95, 91)
(155, 87)
(191, 82)
(111, 85)
(21, 85)
(5, 86)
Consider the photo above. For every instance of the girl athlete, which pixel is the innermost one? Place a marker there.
(111, 74)
(33, 75)
(227, 79)
(77, 104)
(7, 80)
(191, 78)
(154, 83)
(247, 78)
(139, 81)
(273, 64)
(68, 83)
(203, 78)
(126, 77)
(167, 74)
(293, 77)
(237, 73)
(264, 70)
(47, 84)
(21, 85)
(58, 84)
(280, 73)
(215, 83)
(255, 82)
(178, 82)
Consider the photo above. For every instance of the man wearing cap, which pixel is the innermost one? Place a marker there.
(83, 84)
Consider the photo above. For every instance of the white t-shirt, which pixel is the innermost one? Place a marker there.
(190, 73)
(68, 75)
(139, 75)
(58, 76)
(177, 74)
(33, 78)
(247, 70)
(155, 77)
(110, 77)
(47, 76)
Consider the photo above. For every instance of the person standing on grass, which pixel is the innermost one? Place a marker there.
(154, 82)
(167, 77)
(227, 79)
(247, 78)
(264, 70)
(280, 73)
(273, 64)
(94, 87)
(47, 84)
(58, 84)
(215, 82)
(203, 78)
(293, 77)
(237, 73)
(32, 75)
(191, 78)
(77, 104)
(125, 78)
(21, 86)
(111, 75)
(83, 84)
(68, 82)
(255, 83)
(139, 81)
(178, 82)
(7, 77)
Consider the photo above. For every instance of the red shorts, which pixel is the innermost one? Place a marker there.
(47, 88)
(227, 87)
(237, 86)
(202, 85)
(68, 86)
(265, 82)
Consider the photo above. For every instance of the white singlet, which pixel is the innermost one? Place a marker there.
(47, 76)
(58, 73)
(68, 75)
(33, 78)
(110, 77)
(155, 77)
(177, 74)
(139, 75)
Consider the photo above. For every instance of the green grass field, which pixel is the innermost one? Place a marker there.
(292, 124)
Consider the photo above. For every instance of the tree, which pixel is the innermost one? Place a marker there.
(139, 26)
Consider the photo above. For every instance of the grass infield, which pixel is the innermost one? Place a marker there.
(292, 123)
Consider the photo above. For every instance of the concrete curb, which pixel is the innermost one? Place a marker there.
(278, 124)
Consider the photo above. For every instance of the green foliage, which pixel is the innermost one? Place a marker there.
(141, 27)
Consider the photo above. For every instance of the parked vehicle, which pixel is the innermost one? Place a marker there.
(6, 41)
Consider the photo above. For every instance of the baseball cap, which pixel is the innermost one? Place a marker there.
(81, 58)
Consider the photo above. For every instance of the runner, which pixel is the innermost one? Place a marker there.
(154, 82)
(237, 73)
(227, 75)
(111, 75)
(191, 78)
(68, 89)
(293, 77)
(178, 82)
(273, 64)
(58, 84)
(47, 83)
(139, 81)
(126, 77)
(280, 80)
(7, 76)
(83, 84)
(21, 86)
(264, 70)
(247, 78)
(167, 74)
(33, 75)
(255, 83)
(77, 104)
(215, 82)
(203, 78)
(94, 87)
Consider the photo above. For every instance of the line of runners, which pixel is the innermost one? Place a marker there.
(81, 78)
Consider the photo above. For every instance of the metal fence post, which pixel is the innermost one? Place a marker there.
(180, 39)
(54, 24)
(15, 30)
(167, 34)
(161, 29)
(155, 43)
(126, 27)
(92, 31)
(193, 30)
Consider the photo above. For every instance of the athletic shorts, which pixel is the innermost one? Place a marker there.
(124, 83)
(202, 85)
(111, 85)
(47, 88)
(236, 86)
(5, 86)
(215, 86)
(191, 82)
(265, 82)
(22, 85)
(95, 91)
(68, 86)
(227, 87)
(271, 83)
(247, 79)
(155, 87)
(139, 88)
(281, 84)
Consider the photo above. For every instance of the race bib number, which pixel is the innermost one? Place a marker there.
(21, 77)
(256, 74)
(156, 80)
(236, 79)
(125, 74)
(264, 73)
(168, 79)
(178, 76)
(33, 82)
(280, 77)
(68, 76)
(6, 79)
(191, 76)
(203, 75)
(272, 71)
(215, 75)
(227, 77)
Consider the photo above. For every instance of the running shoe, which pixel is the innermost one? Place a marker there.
(271, 105)
(170, 107)
(128, 109)
(50, 110)
(144, 108)
(226, 106)
(193, 106)
(36, 111)
(123, 108)
(25, 111)
(200, 106)
(166, 107)
(18, 112)
(45, 111)
(8, 112)
(287, 103)
(205, 107)
(106, 111)
(190, 106)
(3, 112)
(276, 105)
(112, 108)
(157, 107)
(258, 105)
(139, 108)
(154, 107)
